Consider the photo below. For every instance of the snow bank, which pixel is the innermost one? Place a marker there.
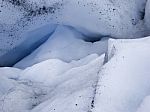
(124, 80)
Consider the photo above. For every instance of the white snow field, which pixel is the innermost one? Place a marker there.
(74, 56)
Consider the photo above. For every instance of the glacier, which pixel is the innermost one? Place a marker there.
(74, 55)
(116, 19)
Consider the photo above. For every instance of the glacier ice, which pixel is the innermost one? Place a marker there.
(67, 84)
(74, 55)
(124, 80)
(117, 19)
(63, 44)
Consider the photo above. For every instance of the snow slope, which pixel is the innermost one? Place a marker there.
(124, 80)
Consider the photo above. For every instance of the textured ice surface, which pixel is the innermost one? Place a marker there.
(51, 85)
(95, 19)
(65, 44)
(68, 59)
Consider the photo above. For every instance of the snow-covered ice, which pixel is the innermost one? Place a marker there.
(58, 86)
(65, 44)
(95, 19)
(74, 56)
(124, 80)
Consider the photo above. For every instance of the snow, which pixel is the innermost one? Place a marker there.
(63, 44)
(124, 80)
(121, 84)
(58, 86)
(75, 89)
(12, 73)
(74, 56)
(27, 45)
(147, 14)
(144, 107)
(95, 19)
